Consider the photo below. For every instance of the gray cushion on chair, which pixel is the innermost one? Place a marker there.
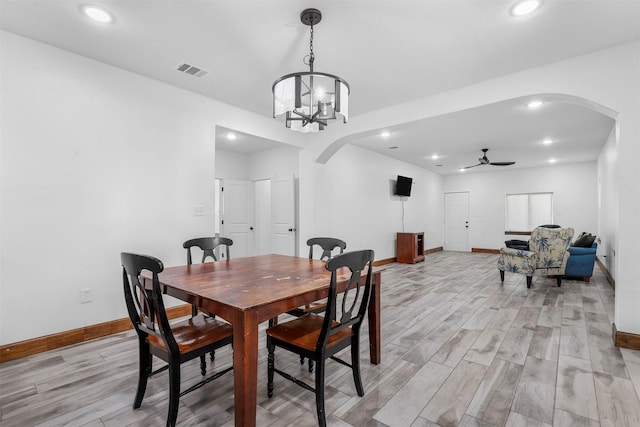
(584, 240)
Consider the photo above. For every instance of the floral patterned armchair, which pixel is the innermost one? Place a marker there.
(547, 255)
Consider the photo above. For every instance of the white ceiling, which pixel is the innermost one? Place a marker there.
(510, 130)
(390, 51)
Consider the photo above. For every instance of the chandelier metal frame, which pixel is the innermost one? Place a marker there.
(309, 98)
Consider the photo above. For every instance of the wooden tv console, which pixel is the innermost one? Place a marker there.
(410, 247)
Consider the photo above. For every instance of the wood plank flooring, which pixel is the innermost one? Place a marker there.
(459, 349)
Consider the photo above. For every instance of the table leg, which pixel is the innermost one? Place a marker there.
(245, 368)
(374, 320)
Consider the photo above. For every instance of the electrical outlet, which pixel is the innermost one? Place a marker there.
(86, 295)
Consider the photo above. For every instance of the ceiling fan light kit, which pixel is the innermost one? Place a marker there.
(308, 99)
(485, 161)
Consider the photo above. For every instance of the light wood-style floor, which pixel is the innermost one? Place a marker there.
(459, 348)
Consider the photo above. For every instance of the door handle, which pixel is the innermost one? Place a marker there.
(250, 228)
(291, 229)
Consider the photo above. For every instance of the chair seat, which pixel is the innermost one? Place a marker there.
(195, 332)
(304, 331)
(517, 261)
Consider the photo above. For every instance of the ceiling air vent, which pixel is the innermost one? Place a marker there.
(192, 70)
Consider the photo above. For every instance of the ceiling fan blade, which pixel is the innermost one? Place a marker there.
(469, 167)
(502, 163)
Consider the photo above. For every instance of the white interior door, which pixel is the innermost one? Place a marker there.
(262, 227)
(237, 197)
(283, 226)
(456, 222)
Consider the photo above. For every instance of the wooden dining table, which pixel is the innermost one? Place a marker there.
(248, 291)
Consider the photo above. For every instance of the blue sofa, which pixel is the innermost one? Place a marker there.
(581, 261)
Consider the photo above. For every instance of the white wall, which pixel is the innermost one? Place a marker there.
(360, 208)
(232, 165)
(96, 160)
(608, 203)
(263, 164)
(90, 170)
(574, 198)
(281, 161)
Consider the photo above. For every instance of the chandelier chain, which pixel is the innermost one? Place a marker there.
(311, 55)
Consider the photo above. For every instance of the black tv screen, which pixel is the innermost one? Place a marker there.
(403, 186)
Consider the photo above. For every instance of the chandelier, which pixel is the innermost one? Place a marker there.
(308, 98)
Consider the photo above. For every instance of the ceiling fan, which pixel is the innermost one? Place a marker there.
(485, 161)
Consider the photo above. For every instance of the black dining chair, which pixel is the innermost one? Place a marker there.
(328, 245)
(208, 246)
(319, 338)
(173, 343)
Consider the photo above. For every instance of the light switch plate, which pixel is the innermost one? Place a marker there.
(86, 295)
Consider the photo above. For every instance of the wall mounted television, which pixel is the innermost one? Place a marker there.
(403, 186)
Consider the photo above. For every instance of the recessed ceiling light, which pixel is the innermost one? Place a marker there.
(547, 141)
(525, 7)
(534, 104)
(385, 134)
(435, 156)
(552, 160)
(393, 147)
(461, 170)
(97, 14)
(231, 136)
